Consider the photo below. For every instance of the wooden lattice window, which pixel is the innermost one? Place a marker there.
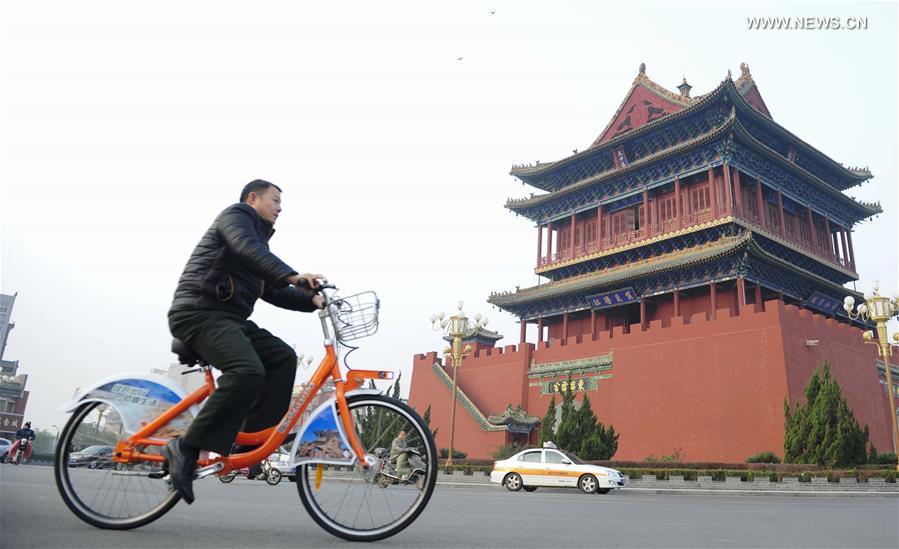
(564, 239)
(699, 199)
(803, 230)
(590, 227)
(667, 209)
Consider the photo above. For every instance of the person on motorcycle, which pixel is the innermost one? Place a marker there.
(25, 433)
(399, 456)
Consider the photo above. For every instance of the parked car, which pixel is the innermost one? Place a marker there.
(5, 445)
(550, 466)
(93, 457)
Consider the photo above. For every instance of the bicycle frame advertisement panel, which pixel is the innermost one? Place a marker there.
(322, 439)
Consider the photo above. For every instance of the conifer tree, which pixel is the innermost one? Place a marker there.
(823, 430)
(566, 432)
(547, 425)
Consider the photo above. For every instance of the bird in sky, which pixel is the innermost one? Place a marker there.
(492, 12)
(459, 59)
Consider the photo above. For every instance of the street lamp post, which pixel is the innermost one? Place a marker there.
(458, 327)
(880, 309)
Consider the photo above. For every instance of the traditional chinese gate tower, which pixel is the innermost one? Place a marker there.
(696, 254)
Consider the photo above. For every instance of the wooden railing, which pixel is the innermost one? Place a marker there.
(689, 220)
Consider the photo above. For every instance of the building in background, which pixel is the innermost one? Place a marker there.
(696, 255)
(13, 396)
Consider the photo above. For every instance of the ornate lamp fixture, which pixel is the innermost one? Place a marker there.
(880, 309)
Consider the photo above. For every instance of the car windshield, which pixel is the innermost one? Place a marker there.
(574, 458)
(93, 449)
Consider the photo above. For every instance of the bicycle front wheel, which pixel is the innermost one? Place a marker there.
(99, 491)
(346, 501)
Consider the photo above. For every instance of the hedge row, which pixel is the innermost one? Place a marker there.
(746, 474)
(706, 466)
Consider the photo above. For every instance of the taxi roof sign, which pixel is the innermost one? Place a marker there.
(549, 444)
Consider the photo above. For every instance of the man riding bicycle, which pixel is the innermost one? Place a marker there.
(230, 268)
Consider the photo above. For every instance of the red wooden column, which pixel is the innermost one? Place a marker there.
(676, 302)
(539, 330)
(851, 253)
(592, 324)
(760, 200)
(713, 295)
(741, 294)
(812, 240)
(780, 215)
(728, 190)
(599, 227)
(677, 205)
(713, 192)
(539, 245)
(564, 327)
(643, 319)
(573, 224)
(549, 242)
(524, 329)
(645, 228)
(829, 238)
(759, 306)
(738, 196)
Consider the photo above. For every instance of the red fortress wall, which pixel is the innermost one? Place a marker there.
(712, 390)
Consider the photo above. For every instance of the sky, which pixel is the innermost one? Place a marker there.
(126, 127)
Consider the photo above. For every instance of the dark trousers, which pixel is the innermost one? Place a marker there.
(258, 371)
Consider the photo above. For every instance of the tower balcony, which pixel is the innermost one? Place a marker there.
(697, 220)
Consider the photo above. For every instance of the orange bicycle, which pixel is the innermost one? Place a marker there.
(337, 452)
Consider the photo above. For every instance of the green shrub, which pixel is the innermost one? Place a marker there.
(457, 454)
(507, 450)
(764, 457)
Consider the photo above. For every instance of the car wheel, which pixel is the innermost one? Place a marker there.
(512, 482)
(588, 484)
(603, 490)
(92, 465)
(529, 488)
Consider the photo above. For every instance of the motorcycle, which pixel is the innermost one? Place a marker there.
(20, 450)
(269, 473)
(387, 474)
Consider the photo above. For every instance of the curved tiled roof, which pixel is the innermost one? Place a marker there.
(732, 124)
(681, 258)
(858, 175)
(652, 265)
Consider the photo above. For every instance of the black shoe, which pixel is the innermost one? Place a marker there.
(181, 469)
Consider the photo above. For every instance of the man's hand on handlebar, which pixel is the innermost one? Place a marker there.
(312, 282)
(307, 280)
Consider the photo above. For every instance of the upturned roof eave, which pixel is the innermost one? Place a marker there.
(732, 123)
(599, 178)
(598, 278)
(526, 174)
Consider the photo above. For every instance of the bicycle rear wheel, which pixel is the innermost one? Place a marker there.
(99, 491)
(347, 502)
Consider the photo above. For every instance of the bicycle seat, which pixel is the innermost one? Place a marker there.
(185, 355)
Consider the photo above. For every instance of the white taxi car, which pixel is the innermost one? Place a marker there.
(549, 466)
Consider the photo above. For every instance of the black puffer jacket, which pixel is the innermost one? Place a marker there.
(232, 267)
